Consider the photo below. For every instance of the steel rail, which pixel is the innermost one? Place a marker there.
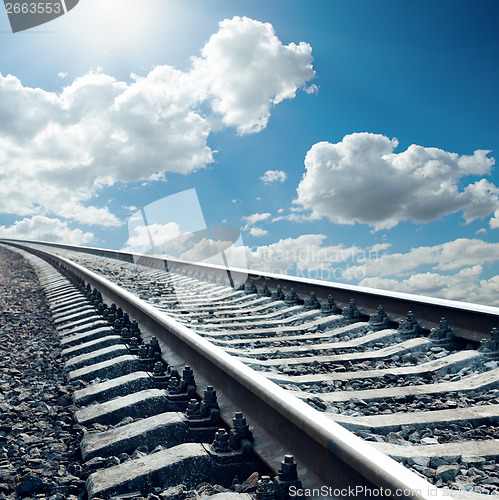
(467, 320)
(331, 459)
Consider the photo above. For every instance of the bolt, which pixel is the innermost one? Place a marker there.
(221, 442)
(155, 344)
(158, 370)
(278, 294)
(134, 344)
(239, 422)
(264, 488)
(126, 319)
(174, 384)
(240, 430)
(192, 410)
(351, 312)
(142, 352)
(151, 352)
(287, 472)
(188, 376)
(292, 298)
(286, 477)
(331, 301)
(125, 333)
(209, 401)
(409, 325)
(134, 329)
(160, 379)
(117, 326)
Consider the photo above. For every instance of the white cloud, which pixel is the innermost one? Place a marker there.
(303, 254)
(205, 249)
(312, 89)
(361, 179)
(42, 228)
(459, 276)
(460, 264)
(145, 237)
(273, 176)
(62, 74)
(246, 70)
(494, 222)
(57, 150)
(380, 247)
(253, 219)
(293, 217)
(466, 285)
(257, 232)
(447, 256)
(429, 283)
(89, 215)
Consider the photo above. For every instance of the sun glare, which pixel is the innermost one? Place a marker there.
(112, 28)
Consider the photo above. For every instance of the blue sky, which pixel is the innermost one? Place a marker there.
(378, 122)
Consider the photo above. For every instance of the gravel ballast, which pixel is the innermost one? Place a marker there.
(39, 449)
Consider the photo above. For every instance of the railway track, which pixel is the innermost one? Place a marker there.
(340, 389)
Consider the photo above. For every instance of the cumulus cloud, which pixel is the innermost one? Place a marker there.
(466, 285)
(429, 283)
(253, 219)
(258, 231)
(273, 176)
(459, 277)
(304, 254)
(205, 249)
(57, 150)
(143, 238)
(447, 256)
(454, 273)
(494, 222)
(293, 217)
(361, 179)
(246, 70)
(42, 228)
